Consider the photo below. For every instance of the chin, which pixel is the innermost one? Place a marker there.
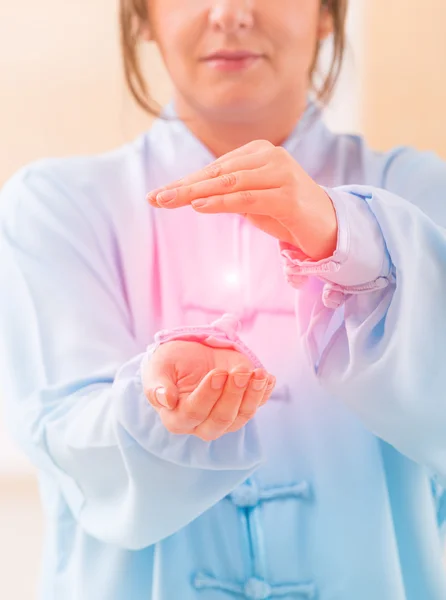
(235, 107)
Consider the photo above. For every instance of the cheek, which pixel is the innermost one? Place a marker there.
(177, 37)
(299, 45)
(178, 27)
(296, 31)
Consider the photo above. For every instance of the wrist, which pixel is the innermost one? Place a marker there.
(317, 228)
(222, 333)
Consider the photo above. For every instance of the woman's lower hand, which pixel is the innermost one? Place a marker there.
(204, 391)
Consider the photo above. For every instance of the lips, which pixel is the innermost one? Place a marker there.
(232, 55)
(232, 61)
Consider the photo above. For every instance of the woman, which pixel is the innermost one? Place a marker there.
(175, 473)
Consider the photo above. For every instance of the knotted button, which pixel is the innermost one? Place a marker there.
(229, 324)
(245, 496)
(331, 297)
(257, 589)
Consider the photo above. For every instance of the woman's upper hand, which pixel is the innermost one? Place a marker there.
(264, 183)
(204, 391)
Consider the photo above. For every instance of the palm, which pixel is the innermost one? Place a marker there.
(190, 362)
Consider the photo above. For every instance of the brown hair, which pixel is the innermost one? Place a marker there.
(133, 16)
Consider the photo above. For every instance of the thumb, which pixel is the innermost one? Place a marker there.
(164, 392)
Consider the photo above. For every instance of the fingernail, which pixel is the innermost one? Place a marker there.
(165, 197)
(161, 396)
(218, 381)
(199, 203)
(241, 379)
(259, 380)
(155, 192)
(258, 384)
(271, 382)
(151, 198)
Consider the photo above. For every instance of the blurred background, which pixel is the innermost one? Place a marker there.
(62, 93)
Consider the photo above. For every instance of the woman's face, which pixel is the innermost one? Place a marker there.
(233, 57)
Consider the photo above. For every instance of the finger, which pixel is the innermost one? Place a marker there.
(269, 390)
(236, 160)
(226, 409)
(268, 202)
(251, 400)
(236, 174)
(238, 181)
(240, 423)
(162, 396)
(197, 407)
(159, 197)
(158, 387)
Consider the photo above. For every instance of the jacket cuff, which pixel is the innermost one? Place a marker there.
(222, 333)
(360, 263)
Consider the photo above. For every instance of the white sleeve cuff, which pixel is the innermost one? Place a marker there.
(360, 263)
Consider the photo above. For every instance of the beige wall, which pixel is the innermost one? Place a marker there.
(21, 526)
(61, 86)
(405, 74)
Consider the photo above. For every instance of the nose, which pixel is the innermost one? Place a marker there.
(231, 16)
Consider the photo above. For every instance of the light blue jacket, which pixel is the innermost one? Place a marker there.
(334, 490)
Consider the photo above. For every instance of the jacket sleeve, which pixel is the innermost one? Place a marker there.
(70, 373)
(381, 346)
